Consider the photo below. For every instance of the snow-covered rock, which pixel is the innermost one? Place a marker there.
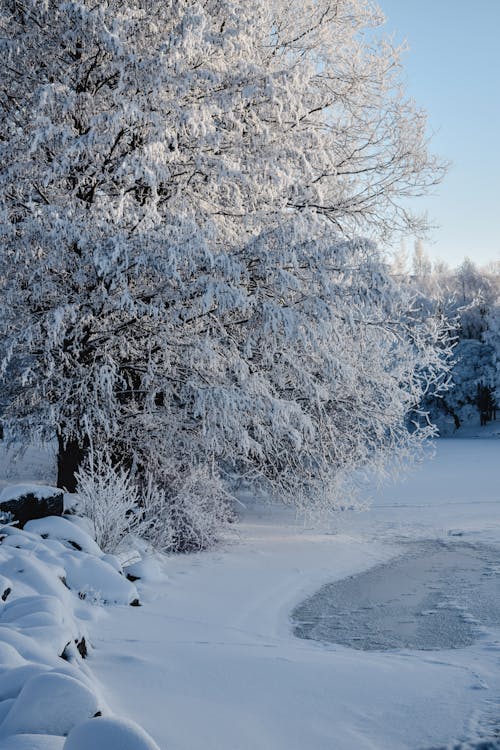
(5, 588)
(34, 606)
(52, 576)
(64, 530)
(50, 703)
(25, 646)
(9, 657)
(24, 502)
(97, 580)
(40, 491)
(148, 569)
(109, 734)
(32, 575)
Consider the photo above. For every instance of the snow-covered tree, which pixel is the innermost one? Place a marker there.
(492, 338)
(177, 182)
(475, 293)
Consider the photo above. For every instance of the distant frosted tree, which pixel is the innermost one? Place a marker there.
(177, 182)
(467, 295)
(475, 293)
(492, 337)
(421, 263)
(399, 264)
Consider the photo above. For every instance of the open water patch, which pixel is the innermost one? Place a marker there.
(435, 596)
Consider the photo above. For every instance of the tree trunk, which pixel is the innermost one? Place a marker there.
(69, 459)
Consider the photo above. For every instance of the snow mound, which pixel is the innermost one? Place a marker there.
(62, 529)
(34, 608)
(50, 703)
(109, 734)
(98, 580)
(51, 555)
(148, 569)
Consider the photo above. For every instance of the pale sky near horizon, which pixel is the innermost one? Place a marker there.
(452, 70)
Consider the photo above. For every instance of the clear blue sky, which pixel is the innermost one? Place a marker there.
(453, 71)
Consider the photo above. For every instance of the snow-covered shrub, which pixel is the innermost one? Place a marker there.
(189, 516)
(186, 512)
(109, 498)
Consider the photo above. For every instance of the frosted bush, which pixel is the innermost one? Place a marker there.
(182, 512)
(189, 515)
(109, 498)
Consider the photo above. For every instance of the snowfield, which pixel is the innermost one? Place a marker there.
(210, 662)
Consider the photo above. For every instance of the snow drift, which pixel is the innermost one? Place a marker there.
(52, 575)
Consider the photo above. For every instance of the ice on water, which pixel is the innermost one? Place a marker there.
(436, 596)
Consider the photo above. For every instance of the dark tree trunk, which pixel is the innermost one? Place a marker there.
(70, 456)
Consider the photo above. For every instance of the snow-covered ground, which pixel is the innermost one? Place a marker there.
(210, 662)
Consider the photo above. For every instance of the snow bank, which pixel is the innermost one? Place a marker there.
(52, 573)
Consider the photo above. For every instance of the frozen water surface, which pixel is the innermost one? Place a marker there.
(435, 596)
